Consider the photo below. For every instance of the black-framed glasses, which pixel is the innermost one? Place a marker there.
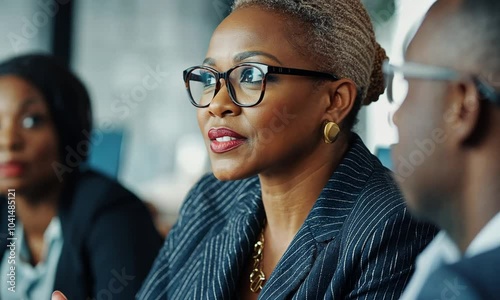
(397, 80)
(246, 82)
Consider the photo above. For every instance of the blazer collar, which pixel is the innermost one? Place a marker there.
(341, 191)
(226, 254)
(293, 267)
(229, 250)
(324, 221)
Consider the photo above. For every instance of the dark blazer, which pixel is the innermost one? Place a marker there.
(358, 242)
(109, 239)
(471, 279)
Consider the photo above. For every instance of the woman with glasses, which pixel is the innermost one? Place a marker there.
(296, 207)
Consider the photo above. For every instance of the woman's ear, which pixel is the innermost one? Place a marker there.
(341, 98)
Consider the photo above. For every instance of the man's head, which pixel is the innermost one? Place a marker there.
(447, 130)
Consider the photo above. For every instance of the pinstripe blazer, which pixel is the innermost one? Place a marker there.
(358, 241)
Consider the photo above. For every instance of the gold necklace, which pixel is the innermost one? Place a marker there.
(257, 277)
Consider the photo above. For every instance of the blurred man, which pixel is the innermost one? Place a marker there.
(448, 156)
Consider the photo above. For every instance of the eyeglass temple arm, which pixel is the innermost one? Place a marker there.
(299, 72)
(194, 77)
(487, 91)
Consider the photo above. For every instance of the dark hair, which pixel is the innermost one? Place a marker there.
(65, 95)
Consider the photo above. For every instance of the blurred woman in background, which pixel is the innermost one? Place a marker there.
(297, 207)
(77, 231)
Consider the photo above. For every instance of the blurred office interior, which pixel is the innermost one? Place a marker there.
(131, 53)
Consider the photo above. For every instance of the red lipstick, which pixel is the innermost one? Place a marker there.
(224, 140)
(11, 169)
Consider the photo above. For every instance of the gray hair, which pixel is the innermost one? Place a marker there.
(341, 37)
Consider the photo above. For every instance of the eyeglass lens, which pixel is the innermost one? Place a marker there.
(398, 89)
(246, 84)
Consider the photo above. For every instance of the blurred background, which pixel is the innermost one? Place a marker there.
(131, 53)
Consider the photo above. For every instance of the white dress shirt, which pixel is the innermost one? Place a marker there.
(443, 250)
(33, 282)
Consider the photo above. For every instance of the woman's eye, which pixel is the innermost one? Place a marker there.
(207, 79)
(32, 121)
(251, 75)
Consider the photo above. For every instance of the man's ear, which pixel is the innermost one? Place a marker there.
(464, 114)
(341, 98)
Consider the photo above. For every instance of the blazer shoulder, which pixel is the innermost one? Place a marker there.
(480, 262)
(479, 273)
(105, 227)
(470, 278)
(380, 199)
(377, 191)
(94, 195)
(99, 190)
(209, 193)
(381, 205)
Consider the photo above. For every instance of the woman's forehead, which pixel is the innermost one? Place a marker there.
(251, 30)
(19, 94)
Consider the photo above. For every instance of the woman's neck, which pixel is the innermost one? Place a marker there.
(290, 195)
(36, 214)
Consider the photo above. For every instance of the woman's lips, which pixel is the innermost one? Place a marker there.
(11, 169)
(224, 140)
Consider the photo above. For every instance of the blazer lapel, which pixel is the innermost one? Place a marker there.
(323, 223)
(293, 267)
(226, 253)
(339, 196)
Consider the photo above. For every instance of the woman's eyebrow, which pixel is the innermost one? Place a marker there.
(209, 61)
(247, 54)
(28, 102)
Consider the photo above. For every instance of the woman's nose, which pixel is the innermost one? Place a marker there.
(10, 137)
(222, 105)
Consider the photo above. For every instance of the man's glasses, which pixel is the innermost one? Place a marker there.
(246, 82)
(397, 80)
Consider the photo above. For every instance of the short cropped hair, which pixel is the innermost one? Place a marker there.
(483, 25)
(340, 37)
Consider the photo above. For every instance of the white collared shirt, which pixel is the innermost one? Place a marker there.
(33, 282)
(442, 250)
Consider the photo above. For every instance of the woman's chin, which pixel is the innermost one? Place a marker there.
(11, 184)
(227, 174)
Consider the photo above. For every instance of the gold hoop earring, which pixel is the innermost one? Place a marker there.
(331, 132)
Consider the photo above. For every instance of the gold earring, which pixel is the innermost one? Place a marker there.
(331, 132)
